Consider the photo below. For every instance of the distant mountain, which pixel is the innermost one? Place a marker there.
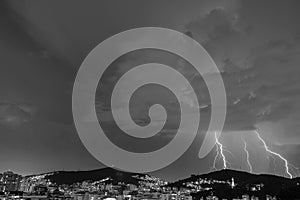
(241, 177)
(70, 177)
(286, 189)
(273, 185)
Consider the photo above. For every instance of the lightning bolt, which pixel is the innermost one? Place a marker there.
(216, 159)
(247, 156)
(220, 153)
(276, 154)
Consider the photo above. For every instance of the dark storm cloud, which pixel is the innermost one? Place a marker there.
(42, 45)
(219, 30)
(259, 76)
(15, 114)
(254, 43)
(36, 127)
(215, 27)
(71, 35)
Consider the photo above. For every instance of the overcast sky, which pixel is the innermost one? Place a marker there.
(256, 45)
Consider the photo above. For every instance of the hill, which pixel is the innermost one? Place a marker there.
(244, 184)
(70, 177)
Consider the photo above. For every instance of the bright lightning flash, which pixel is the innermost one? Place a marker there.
(216, 158)
(247, 156)
(276, 154)
(220, 153)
